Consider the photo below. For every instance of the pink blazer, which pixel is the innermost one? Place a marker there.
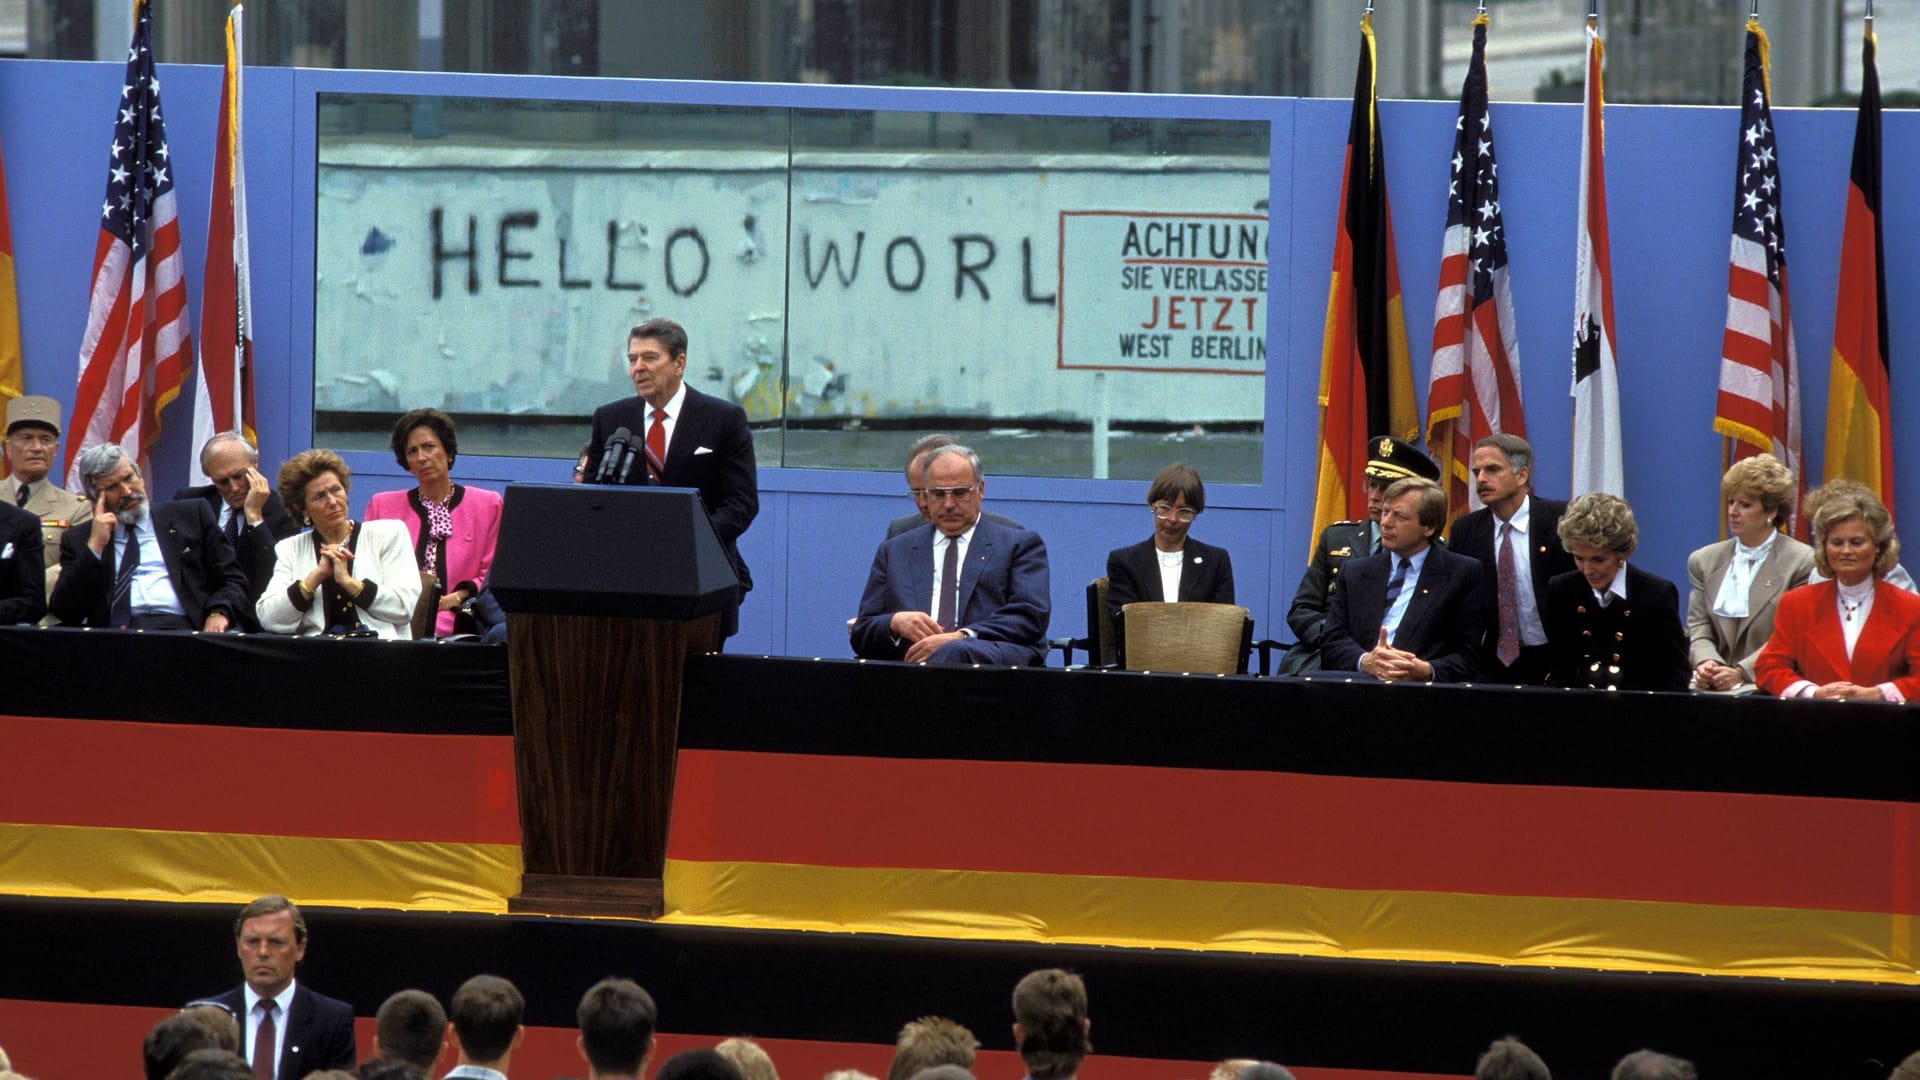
(476, 527)
(1807, 642)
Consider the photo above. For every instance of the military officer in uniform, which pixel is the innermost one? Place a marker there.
(32, 444)
(1392, 459)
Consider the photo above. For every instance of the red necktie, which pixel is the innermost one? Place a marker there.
(264, 1040)
(657, 447)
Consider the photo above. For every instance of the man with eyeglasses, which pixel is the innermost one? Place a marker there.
(916, 470)
(960, 589)
(1391, 459)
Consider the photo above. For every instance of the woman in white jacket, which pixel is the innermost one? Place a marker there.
(338, 577)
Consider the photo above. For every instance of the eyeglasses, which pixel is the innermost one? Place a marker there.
(1166, 512)
(956, 493)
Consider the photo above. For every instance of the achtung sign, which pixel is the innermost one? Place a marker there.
(1163, 291)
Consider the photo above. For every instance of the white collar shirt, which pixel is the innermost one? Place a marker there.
(251, 1021)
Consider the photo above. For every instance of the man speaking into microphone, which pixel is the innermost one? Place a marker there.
(671, 435)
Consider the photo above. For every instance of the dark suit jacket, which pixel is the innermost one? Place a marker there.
(1307, 616)
(712, 450)
(910, 522)
(23, 571)
(1133, 574)
(1004, 595)
(1473, 534)
(255, 551)
(1445, 624)
(1640, 635)
(200, 564)
(319, 1032)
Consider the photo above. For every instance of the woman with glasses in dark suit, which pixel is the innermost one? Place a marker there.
(1170, 565)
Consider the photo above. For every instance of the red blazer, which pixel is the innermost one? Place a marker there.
(1807, 642)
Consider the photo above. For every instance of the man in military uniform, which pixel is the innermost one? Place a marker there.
(32, 444)
(1392, 459)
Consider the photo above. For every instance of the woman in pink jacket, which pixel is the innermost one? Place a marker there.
(453, 526)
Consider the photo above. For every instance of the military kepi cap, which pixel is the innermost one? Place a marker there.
(1389, 458)
(33, 409)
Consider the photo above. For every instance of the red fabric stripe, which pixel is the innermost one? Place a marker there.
(194, 778)
(1335, 832)
(1744, 284)
(1750, 351)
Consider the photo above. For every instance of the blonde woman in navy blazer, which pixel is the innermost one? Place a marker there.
(1176, 497)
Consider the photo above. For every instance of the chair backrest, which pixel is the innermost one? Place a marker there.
(1102, 642)
(1187, 637)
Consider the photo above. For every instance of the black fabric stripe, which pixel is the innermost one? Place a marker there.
(256, 680)
(1503, 735)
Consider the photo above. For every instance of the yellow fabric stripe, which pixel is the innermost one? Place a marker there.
(145, 864)
(13, 380)
(1606, 935)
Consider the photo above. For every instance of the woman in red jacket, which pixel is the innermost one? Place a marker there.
(1855, 637)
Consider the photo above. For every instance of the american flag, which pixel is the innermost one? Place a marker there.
(1758, 407)
(1474, 389)
(134, 353)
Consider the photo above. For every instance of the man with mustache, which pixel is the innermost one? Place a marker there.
(137, 566)
(1516, 536)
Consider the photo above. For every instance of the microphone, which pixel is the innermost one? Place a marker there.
(626, 459)
(610, 456)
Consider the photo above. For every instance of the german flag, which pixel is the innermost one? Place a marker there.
(1366, 380)
(1859, 425)
(12, 379)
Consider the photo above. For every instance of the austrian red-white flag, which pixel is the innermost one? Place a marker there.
(136, 347)
(223, 386)
(1596, 381)
(1474, 388)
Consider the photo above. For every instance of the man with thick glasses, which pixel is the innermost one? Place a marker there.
(960, 589)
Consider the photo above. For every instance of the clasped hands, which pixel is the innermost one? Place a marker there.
(336, 562)
(1388, 664)
(922, 632)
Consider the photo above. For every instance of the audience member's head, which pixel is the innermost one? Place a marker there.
(211, 1064)
(616, 1020)
(390, 1068)
(412, 1027)
(218, 1019)
(170, 1041)
(1510, 1059)
(1650, 1065)
(749, 1058)
(1231, 1068)
(698, 1065)
(930, 1041)
(847, 1074)
(942, 1072)
(1908, 1069)
(331, 1074)
(1050, 1023)
(1265, 1070)
(6, 1066)
(487, 1012)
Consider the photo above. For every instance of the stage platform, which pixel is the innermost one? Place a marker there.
(1353, 879)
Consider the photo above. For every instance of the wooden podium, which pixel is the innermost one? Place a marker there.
(607, 591)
